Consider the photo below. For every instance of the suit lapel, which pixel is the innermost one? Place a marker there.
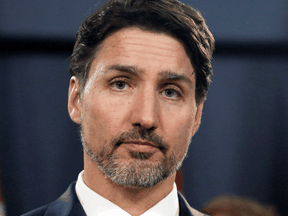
(66, 205)
(185, 209)
(77, 210)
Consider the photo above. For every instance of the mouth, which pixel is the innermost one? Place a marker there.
(141, 143)
(141, 146)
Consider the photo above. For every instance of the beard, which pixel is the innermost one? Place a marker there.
(138, 172)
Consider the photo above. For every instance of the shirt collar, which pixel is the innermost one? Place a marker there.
(94, 204)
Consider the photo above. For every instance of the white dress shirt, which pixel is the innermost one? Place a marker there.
(94, 204)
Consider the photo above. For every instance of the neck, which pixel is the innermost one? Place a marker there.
(133, 200)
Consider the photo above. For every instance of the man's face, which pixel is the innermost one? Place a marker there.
(137, 110)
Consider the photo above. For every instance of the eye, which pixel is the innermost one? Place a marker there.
(171, 93)
(119, 84)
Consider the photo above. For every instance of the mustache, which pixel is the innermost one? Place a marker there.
(139, 133)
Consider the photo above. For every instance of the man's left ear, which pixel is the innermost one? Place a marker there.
(198, 118)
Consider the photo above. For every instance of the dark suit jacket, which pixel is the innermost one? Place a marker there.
(68, 205)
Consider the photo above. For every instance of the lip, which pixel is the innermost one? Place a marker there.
(140, 146)
(141, 143)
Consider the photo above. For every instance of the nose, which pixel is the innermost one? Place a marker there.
(145, 110)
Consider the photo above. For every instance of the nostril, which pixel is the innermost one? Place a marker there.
(151, 129)
(137, 125)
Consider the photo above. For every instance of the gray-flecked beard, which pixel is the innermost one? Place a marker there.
(138, 172)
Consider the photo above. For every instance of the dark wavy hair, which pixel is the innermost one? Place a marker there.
(171, 17)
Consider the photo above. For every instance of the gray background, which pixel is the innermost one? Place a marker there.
(240, 148)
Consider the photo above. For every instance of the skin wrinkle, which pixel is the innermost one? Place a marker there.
(163, 46)
(152, 53)
(157, 45)
(156, 55)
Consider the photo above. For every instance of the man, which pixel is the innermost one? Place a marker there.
(140, 74)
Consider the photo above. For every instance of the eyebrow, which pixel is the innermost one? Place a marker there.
(127, 69)
(172, 76)
(168, 75)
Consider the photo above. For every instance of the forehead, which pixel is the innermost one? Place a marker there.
(145, 50)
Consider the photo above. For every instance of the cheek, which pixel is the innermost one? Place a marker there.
(93, 120)
(179, 136)
(179, 124)
(102, 116)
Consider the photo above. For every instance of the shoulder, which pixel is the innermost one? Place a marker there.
(67, 203)
(186, 209)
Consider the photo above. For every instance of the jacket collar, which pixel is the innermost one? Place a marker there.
(186, 209)
(68, 205)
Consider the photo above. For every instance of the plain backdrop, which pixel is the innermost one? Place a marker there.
(240, 148)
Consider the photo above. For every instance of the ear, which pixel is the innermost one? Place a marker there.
(74, 108)
(197, 118)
